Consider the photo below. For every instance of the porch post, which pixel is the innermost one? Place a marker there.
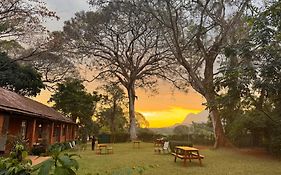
(33, 131)
(66, 132)
(51, 139)
(61, 128)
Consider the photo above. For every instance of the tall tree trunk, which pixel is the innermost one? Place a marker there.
(210, 96)
(112, 127)
(132, 95)
(220, 138)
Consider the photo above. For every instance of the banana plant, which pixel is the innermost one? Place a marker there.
(17, 163)
(60, 163)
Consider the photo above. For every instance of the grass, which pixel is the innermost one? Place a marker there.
(216, 162)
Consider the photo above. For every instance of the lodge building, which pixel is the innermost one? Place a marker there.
(32, 121)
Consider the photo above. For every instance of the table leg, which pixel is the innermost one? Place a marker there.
(176, 155)
(185, 157)
(199, 158)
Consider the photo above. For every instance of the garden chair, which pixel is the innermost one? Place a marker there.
(166, 147)
(70, 145)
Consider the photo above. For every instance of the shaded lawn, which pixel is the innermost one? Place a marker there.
(216, 162)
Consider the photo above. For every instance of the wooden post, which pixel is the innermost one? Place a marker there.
(61, 128)
(51, 139)
(71, 132)
(33, 132)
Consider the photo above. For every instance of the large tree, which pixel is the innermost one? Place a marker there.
(21, 22)
(122, 44)
(256, 76)
(111, 111)
(24, 38)
(72, 99)
(22, 79)
(197, 32)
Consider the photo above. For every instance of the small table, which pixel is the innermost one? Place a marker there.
(100, 147)
(185, 152)
(136, 142)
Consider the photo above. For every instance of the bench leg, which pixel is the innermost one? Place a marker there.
(175, 158)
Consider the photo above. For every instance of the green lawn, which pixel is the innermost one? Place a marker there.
(216, 162)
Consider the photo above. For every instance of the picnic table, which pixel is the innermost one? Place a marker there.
(185, 152)
(136, 142)
(107, 148)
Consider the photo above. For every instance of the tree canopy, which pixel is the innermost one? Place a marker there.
(72, 99)
(122, 43)
(20, 78)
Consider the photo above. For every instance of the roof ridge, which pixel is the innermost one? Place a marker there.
(22, 103)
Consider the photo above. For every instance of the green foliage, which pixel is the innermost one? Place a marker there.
(249, 88)
(20, 78)
(60, 163)
(74, 101)
(141, 121)
(17, 163)
(111, 113)
(147, 135)
(181, 130)
(38, 150)
(121, 137)
(174, 143)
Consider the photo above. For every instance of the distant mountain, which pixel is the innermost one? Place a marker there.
(201, 117)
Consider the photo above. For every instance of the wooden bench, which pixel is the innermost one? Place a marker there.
(193, 156)
(187, 153)
(109, 150)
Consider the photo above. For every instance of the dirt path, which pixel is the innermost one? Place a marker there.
(37, 159)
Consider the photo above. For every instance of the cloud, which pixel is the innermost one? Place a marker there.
(65, 9)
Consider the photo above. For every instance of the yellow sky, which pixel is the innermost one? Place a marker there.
(168, 107)
(165, 108)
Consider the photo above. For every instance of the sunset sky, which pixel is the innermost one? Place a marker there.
(165, 108)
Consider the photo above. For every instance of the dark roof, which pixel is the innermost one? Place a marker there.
(13, 102)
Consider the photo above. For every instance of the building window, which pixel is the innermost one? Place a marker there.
(23, 129)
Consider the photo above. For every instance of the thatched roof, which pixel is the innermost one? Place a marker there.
(13, 102)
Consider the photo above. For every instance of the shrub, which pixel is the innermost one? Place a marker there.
(120, 137)
(38, 150)
(174, 143)
(104, 138)
(274, 144)
(60, 163)
(147, 135)
(17, 163)
(194, 138)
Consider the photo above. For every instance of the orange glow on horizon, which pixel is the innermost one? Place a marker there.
(163, 109)
(167, 117)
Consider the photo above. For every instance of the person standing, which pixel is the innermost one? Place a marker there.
(93, 142)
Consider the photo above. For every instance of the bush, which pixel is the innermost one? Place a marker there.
(38, 150)
(60, 163)
(174, 143)
(120, 137)
(274, 144)
(199, 139)
(104, 138)
(147, 135)
(17, 163)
